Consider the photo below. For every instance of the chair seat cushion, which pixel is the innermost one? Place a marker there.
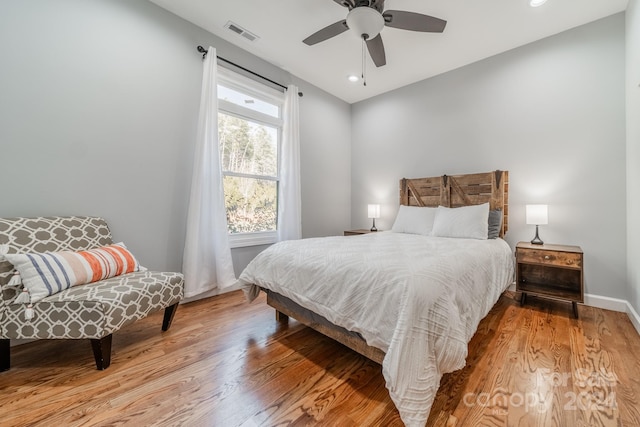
(94, 310)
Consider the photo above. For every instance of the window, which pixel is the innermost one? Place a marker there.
(249, 133)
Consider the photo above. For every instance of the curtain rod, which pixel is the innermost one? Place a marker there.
(203, 51)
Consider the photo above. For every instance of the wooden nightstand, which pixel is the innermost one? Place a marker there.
(550, 271)
(358, 231)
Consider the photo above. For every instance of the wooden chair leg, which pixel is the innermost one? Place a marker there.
(169, 312)
(5, 354)
(102, 351)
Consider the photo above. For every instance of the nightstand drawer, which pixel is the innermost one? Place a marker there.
(547, 257)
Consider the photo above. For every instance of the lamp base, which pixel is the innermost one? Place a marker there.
(373, 228)
(536, 240)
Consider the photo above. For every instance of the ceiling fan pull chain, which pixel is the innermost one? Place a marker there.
(364, 62)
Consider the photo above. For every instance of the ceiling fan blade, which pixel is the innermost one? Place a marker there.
(346, 3)
(376, 50)
(413, 21)
(326, 33)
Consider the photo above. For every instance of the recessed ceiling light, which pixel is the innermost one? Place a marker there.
(353, 78)
(536, 3)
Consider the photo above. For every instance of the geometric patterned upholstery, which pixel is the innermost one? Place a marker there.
(49, 234)
(96, 309)
(93, 310)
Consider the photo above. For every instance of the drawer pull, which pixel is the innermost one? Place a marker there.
(546, 257)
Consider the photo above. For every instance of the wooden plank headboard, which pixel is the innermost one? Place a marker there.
(460, 190)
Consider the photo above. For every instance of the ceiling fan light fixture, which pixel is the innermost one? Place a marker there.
(536, 3)
(353, 78)
(365, 21)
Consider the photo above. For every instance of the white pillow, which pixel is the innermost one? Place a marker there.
(467, 222)
(414, 220)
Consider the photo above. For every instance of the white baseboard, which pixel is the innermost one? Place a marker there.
(614, 304)
(633, 316)
(608, 303)
(211, 293)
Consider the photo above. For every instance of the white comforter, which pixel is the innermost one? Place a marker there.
(417, 298)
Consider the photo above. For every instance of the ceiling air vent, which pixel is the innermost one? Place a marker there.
(241, 31)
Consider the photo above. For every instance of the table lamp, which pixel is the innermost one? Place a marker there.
(537, 215)
(374, 212)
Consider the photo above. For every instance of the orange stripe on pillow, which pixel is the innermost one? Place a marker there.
(94, 264)
(128, 256)
(118, 259)
(107, 262)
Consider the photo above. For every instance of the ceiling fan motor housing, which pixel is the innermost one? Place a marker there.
(365, 22)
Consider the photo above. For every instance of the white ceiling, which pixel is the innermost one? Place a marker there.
(476, 29)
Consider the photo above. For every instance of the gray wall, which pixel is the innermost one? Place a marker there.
(99, 106)
(325, 134)
(98, 112)
(633, 151)
(552, 113)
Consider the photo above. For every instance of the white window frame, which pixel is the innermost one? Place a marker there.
(253, 88)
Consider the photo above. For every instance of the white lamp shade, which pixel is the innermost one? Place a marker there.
(537, 215)
(373, 211)
(365, 20)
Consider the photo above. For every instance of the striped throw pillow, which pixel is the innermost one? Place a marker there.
(44, 274)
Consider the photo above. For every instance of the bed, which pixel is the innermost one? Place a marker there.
(409, 299)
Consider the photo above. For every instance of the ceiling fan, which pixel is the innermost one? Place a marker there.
(368, 17)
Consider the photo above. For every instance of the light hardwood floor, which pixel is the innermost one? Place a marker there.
(225, 362)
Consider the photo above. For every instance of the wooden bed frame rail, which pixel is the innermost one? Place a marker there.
(286, 307)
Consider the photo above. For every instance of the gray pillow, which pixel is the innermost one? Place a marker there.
(495, 223)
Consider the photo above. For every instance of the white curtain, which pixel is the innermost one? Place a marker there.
(289, 200)
(207, 260)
